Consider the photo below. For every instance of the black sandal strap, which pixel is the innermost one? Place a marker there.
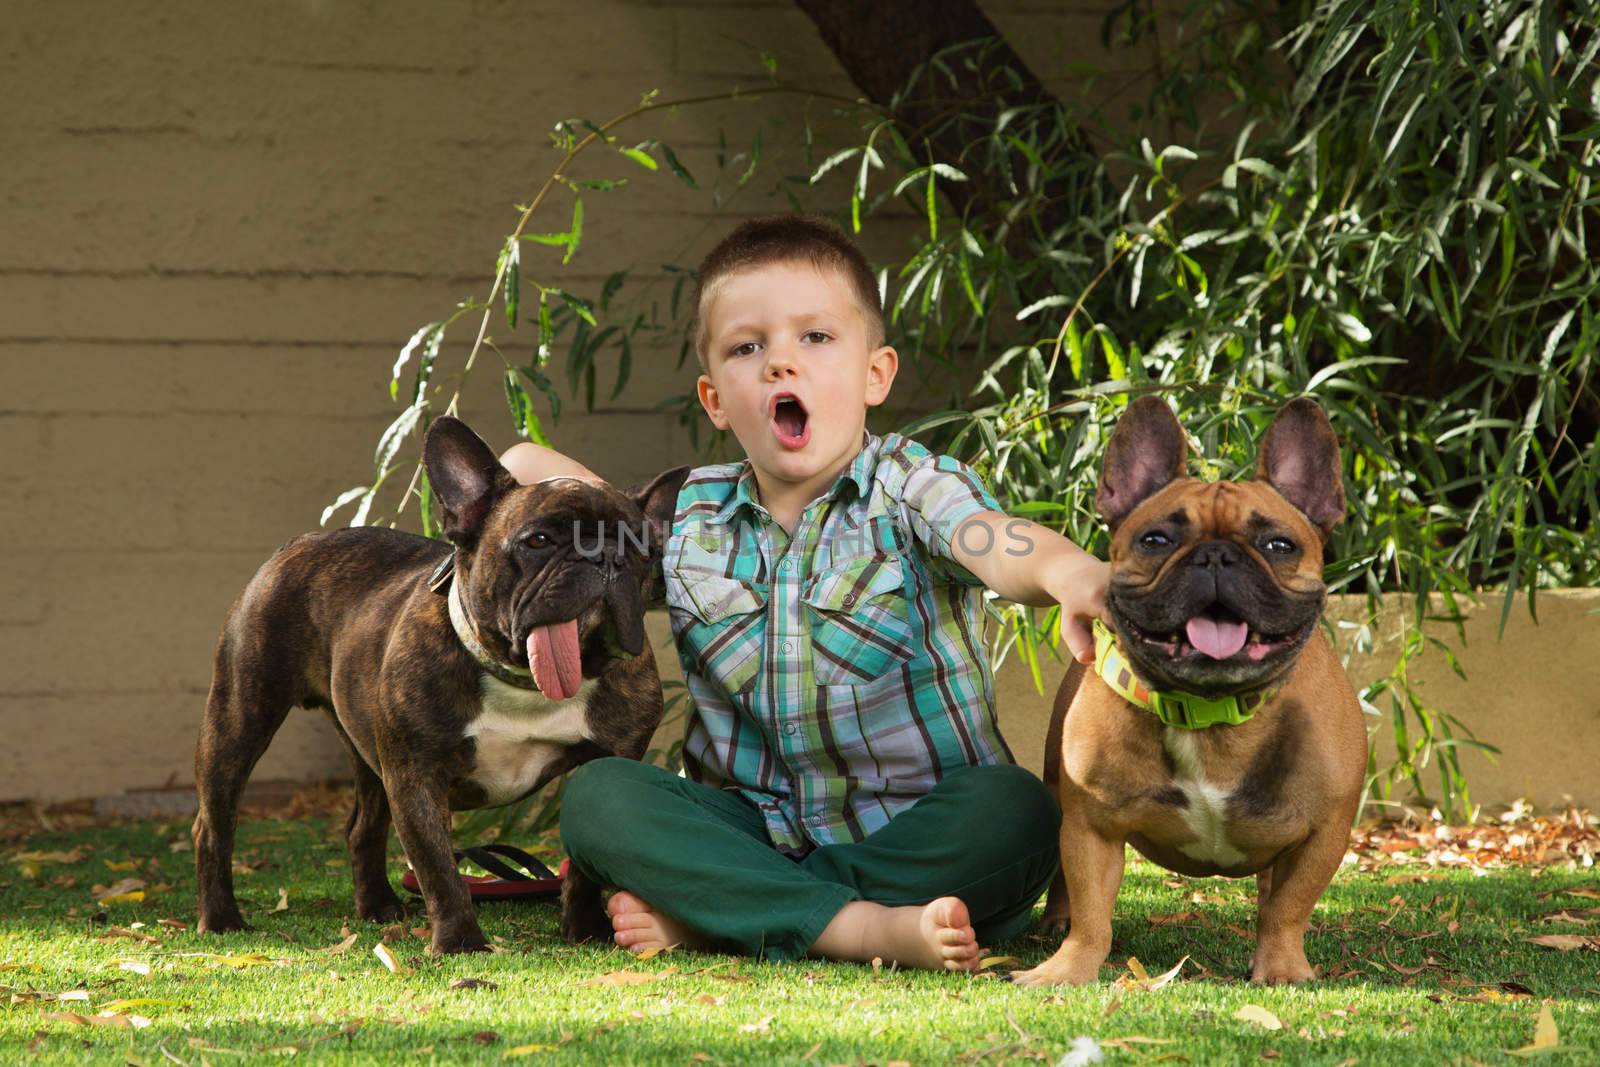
(484, 856)
(527, 861)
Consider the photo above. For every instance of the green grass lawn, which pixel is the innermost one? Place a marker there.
(1429, 972)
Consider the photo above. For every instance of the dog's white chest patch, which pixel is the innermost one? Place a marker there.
(1206, 810)
(519, 733)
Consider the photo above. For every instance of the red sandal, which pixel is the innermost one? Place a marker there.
(505, 882)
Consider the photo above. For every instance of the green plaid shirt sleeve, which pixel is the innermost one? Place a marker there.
(940, 494)
(835, 674)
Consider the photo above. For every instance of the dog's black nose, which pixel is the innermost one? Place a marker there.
(1216, 554)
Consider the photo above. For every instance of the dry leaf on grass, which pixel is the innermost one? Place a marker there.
(1545, 1036)
(761, 1025)
(1566, 942)
(473, 983)
(1129, 1043)
(126, 891)
(114, 933)
(342, 947)
(283, 900)
(624, 978)
(517, 1051)
(136, 966)
(995, 961)
(74, 856)
(120, 1006)
(136, 1022)
(1255, 1013)
(387, 958)
(1175, 918)
(1137, 975)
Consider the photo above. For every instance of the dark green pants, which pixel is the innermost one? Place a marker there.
(701, 855)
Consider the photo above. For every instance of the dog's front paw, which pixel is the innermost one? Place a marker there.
(457, 938)
(379, 908)
(1283, 967)
(1067, 967)
(225, 923)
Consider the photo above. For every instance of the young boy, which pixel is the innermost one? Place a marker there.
(847, 791)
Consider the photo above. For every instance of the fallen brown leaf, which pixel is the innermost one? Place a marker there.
(1174, 918)
(388, 959)
(623, 978)
(1259, 1016)
(1545, 1036)
(122, 892)
(342, 947)
(759, 1026)
(1566, 942)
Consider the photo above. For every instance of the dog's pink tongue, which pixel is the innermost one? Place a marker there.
(1216, 638)
(554, 660)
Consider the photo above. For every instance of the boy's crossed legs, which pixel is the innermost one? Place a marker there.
(965, 863)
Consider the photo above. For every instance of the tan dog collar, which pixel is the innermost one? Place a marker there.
(1183, 710)
(508, 673)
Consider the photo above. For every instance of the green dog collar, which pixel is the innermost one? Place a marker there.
(1183, 710)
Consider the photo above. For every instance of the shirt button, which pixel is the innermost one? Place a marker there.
(790, 729)
(788, 646)
(849, 598)
(787, 565)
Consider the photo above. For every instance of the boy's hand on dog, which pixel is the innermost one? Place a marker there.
(1080, 589)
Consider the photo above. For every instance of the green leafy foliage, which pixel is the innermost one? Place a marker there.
(1388, 206)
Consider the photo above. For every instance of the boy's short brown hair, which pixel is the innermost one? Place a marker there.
(788, 238)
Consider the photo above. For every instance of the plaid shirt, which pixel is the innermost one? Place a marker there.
(835, 675)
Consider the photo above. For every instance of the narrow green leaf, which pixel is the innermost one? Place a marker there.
(406, 353)
(547, 331)
(580, 307)
(641, 157)
(755, 159)
(678, 168)
(513, 280)
(344, 498)
(577, 228)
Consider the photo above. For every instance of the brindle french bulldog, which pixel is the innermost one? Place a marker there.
(532, 661)
(1216, 592)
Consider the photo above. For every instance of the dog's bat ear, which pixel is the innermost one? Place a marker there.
(1146, 451)
(1299, 457)
(465, 475)
(657, 500)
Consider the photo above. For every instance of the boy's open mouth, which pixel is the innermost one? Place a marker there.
(790, 421)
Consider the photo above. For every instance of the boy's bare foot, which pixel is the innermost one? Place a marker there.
(638, 927)
(936, 936)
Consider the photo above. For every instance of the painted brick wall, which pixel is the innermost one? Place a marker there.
(219, 223)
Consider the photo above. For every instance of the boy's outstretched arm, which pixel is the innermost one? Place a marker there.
(1032, 564)
(531, 463)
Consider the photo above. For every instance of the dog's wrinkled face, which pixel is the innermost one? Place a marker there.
(1216, 587)
(555, 574)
